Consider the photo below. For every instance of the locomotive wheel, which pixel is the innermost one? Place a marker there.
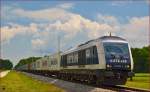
(99, 81)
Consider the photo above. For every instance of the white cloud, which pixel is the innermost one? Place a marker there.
(12, 30)
(73, 28)
(6, 13)
(65, 21)
(65, 5)
(121, 2)
(33, 28)
(38, 43)
(137, 31)
(148, 2)
(44, 14)
(6, 34)
(111, 20)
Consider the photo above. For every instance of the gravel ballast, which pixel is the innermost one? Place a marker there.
(68, 86)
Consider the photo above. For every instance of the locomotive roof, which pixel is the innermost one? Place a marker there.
(111, 37)
(94, 40)
(103, 38)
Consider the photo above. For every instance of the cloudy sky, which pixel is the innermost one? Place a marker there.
(31, 28)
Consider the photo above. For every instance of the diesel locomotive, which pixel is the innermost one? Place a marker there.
(105, 60)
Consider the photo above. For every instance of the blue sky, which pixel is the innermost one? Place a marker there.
(31, 28)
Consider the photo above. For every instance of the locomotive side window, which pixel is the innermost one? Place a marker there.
(44, 63)
(95, 55)
(34, 64)
(68, 58)
(82, 57)
(53, 61)
(91, 55)
(72, 58)
(76, 57)
(38, 64)
(88, 56)
(64, 60)
(87, 53)
(49, 62)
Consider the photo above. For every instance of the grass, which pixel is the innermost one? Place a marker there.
(18, 82)
(140, 80)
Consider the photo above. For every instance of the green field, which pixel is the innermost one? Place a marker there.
(140, 80)
(18, 82)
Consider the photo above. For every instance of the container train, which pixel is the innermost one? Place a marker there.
(105, 60)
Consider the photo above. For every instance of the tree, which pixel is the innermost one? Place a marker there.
(141, 59)
(5, 64)
(26, 61)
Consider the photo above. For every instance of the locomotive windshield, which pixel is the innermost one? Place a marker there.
(116, 48)
(116, 52)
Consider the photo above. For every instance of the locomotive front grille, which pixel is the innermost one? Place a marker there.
(117, 66)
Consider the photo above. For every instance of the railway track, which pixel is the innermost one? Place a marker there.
(125, 89)
(110, 87)
(115, 88)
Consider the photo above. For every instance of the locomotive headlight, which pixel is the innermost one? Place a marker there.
(109, 66)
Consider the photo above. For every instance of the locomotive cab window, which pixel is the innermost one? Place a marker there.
(116, 52)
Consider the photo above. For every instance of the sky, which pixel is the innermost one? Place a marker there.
(32, 28)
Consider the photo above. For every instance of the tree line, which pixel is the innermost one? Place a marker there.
(26, 61)
(141, 58)
(5, 64)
